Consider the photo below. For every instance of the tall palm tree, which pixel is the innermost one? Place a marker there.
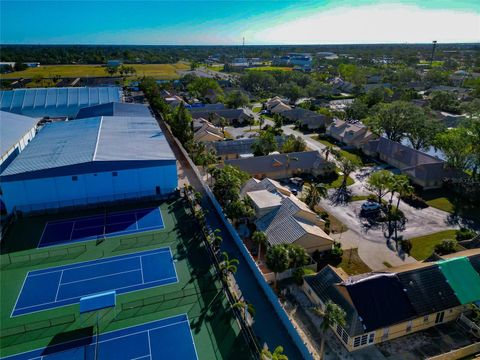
(277, 260)
(228, 266)
(259, 238)
(276, 355)
(332, 314)
(315, 192)
(403, 188)
(329, 149)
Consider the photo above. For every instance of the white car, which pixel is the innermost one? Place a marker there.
(370, 206)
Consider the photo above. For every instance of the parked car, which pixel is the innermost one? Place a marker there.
(371, 206)
(296, 181)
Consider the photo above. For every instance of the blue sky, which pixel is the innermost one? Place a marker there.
(226, 22)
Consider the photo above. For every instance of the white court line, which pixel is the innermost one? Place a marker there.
(73, 228)
(18, 296)
(136, 219)
(140, 358)
(141, 268)
(99, 277)
(149, 343)
(58, 286)
(173, 263)
(88, 337)
(77, 297)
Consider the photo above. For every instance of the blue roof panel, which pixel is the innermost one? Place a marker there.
(114, 109)
(40, 102)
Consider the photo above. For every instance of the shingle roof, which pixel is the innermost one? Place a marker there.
(12, 128)
(40, 102)
(279, 162)
(323, 284)
(380, 300)
(114, 109)
(231, 114)
(102, 139)
(240, 146)
(428, 290)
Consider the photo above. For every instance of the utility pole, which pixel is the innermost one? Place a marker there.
(433, 51)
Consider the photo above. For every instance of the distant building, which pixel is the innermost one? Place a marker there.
(16, 131)
(114, 63)
(241, 148)
(205, 131)
(233, 116)
(308, 119)
(89, 161)
(350, 134)
(54, 102)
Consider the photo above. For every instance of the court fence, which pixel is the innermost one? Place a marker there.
(271, 296)
(87, 203)
(43, 255)
(37, 325)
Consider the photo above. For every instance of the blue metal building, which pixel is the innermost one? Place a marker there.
(55, 102)
(114, 109)
(88, 161)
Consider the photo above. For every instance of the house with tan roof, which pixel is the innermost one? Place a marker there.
(389, 304)
(205, 131)
(350, 134)
(280, 108)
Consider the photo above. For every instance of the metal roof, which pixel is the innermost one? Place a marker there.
(12, 128)
(97, 139)
(114, 109)
(53, 102)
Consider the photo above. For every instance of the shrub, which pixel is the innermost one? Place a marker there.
(372, 197)
(465, 234)
(415, 201)
(406, 246)
(337, 251)
(446, 247)
(299, 273)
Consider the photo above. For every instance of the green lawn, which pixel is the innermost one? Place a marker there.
(441, 203)
(257, 109)
(158, 71)
(198, 293)
(335, 184)
(422, 246)
(352, 264)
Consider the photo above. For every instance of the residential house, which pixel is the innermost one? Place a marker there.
(340, 105)
(389, 304)
(241, 148)
(287, 220)
(424, 170)
(307, 118)
(233, 116)
(205, 131)
(280, 108)
(355, 135)
(281, 166)
(174, 100)
(264, 184)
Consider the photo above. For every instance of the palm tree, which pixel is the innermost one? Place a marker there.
(228, 266)
(277, 260)
(403, 188)
(347, 166)
(332, 314)
(216, 239)
(327, 150)
(276, 355)
(245, 307)
(315, 193)
(260, 239)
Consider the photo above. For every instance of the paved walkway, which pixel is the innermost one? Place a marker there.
(267, 326)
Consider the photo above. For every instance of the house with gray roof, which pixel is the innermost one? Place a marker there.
(424, 170)
(395, 302)
(287, 220)
(233, 116)
(234, 149)
(307, 118)
(355, 135)
(282, 166)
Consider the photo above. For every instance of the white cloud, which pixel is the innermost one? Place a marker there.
(375, 24)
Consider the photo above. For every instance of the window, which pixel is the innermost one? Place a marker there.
(364, 339)
(425, 318)
(344, 336)
(439, 317)
(74, 178)
(114, 173)
(385, 333)
(356, 341)
(371, 338)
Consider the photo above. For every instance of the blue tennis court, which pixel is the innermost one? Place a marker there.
(168, 338)
(65, 285)
(102, 225)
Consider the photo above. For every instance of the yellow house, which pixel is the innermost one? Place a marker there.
(382, 306)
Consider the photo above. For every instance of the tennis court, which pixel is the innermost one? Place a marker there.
(99, 226)
(65, 285)
(168, 338)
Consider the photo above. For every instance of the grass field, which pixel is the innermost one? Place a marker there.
(422, 246)
(270, 68)
(352, 264)
(198, 293)
(158, 71)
